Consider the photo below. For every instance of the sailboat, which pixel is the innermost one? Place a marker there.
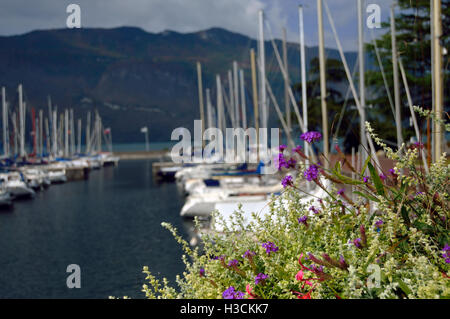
(15, 184)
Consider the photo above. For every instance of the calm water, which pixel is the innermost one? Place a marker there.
(109, 225)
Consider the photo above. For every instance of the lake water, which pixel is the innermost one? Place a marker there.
(109, 225)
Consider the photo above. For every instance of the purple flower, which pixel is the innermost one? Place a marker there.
(378, 224)
(303, 220)
(311, 173)
(446, 253)
(366, 179)
(311, 136)
(392, 172)
(248, 254)
(316, 269)
(231, 293)
(357, 243)
(287, 181)
(233, 262)
(382, 176)
(291, 163)
(282, 162)
(260, 278)
(202, 272)
(419, 145)
(314, 210)
(270, 247)
(341, 192)
(342, 262)
(282, 147)
(297, 149)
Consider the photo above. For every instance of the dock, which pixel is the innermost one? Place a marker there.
(138, 155)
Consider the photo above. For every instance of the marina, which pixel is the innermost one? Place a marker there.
(110, 225)
(270, 169)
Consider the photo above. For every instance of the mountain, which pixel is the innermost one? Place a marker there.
(134, 78)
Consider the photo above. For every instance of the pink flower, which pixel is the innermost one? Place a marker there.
(249, 290)
(299, 275)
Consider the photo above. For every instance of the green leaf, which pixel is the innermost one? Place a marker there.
(405, 216)
(403, 287)
(376, 179)
(337, 167)
(365, 166)
(424, 227)
(348, 180)
(369, 197)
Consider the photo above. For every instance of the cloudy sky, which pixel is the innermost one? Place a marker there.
(21, 16)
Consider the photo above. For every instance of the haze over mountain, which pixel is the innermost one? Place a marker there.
(134, 78)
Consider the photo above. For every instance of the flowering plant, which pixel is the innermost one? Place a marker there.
(376, 235)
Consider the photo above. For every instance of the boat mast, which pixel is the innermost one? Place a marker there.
(236, 93)
(5, 124)
(303, 75)
(72, 133)
(209, 120)
(47, 135)
(413, 115)
(438, 78)
(55, 133)
(262, 71)
(303, 79)
(430, 130)
(66, 133)
(88, 133)
(231, 97)
(220, 114)
(41, 132)
(98, 132)
(33, 132)
(243, 104)
(21, 123)
(323, 87)
(398, 119)
(15, 132)
(362, 88)
(255, 99)
(287, 103)
(200, 99)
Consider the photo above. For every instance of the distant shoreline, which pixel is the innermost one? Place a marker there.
(136, 155)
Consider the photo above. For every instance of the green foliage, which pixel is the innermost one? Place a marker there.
(386, 242)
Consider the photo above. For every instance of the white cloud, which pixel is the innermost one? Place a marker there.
(20, 16)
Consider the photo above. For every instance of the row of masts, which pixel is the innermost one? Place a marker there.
(236, 106)
(54, 135)
(233, 102)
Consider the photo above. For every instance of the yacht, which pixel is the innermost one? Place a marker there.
(57, 176)
(15, 184)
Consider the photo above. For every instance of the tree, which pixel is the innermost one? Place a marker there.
(414, 47)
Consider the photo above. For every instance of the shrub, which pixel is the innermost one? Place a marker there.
(389, 239)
